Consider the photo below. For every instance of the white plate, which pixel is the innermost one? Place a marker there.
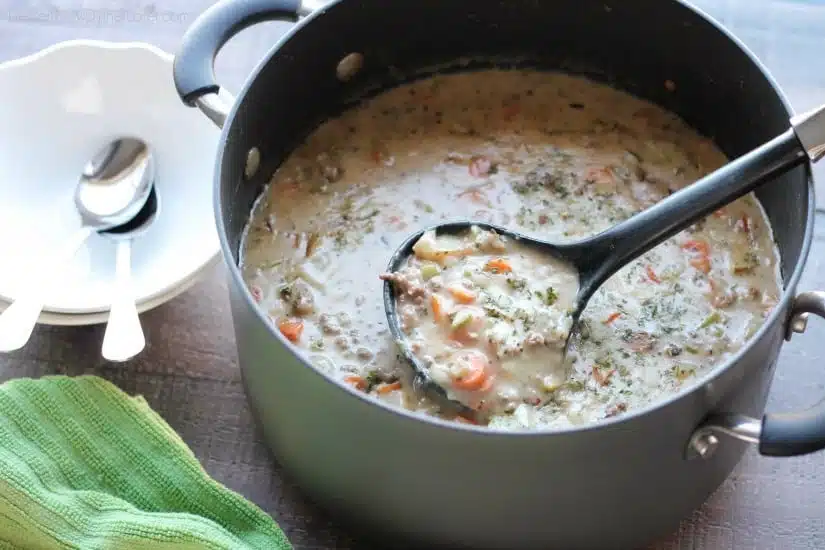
(83, 319)
(58, 107)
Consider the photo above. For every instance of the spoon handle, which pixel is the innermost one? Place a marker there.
(17, 322)
(124, 336)
(614, 248)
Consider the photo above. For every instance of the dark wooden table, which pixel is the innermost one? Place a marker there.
(189, 371)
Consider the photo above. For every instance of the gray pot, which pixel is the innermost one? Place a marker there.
(617, 484)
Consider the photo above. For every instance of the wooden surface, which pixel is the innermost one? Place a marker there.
(189, 372)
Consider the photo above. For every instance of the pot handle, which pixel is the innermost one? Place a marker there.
(777, 434)
(193, 67)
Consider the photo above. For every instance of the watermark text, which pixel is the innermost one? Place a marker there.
(94, 16)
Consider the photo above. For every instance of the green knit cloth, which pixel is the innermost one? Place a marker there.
(85, 466)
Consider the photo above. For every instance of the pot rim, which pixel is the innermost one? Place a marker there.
(435, 422)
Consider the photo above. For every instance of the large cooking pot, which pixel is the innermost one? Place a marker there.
(617, 484)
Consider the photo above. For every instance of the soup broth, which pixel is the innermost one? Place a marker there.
(550, 155)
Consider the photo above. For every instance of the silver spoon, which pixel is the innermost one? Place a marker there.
(124, 336)
(598, 257)
(112, 189)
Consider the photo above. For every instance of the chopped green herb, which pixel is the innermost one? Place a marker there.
(373, 379)
(316, 344)
(682, 372)
(516, 283)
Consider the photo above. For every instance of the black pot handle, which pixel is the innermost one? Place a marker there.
(193, 68)
(777, 434)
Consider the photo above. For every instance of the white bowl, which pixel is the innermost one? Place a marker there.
(58, 107)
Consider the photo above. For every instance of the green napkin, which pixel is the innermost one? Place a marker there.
(85, 466)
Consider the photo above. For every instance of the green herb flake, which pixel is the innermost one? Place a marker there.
(682, 372)
(316, 344)
(516, 283)
(424, 206)
(373, 379)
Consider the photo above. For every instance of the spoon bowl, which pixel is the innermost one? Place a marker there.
(138, 225)
(598, 257)
(115, 184)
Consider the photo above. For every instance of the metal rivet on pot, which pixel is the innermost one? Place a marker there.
(253, 162)
(799, 323)
(703, 444)
(349, 66)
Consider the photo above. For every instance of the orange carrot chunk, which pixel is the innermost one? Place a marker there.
(612, 317)
(291, 329)
(652, 275)
(701, 263)
(477, 376)
(700, 247)
(438, 309)
(387, 388)
(461, 294)
(499, 265)
(359, 382)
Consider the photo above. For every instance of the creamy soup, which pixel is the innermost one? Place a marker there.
(549, 155)
(487, 318)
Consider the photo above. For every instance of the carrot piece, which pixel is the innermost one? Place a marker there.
(612, 317)
(499, 265)
(437, 307)
(652, 275)
(477, 377)
(387, 388)
(461, 294)
(599, 175)
(359, 382)
(697, 246)
(701, 263)
(291, 329)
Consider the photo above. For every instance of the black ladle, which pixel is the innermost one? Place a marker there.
(598, 257)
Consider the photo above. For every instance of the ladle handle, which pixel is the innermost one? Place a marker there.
(614, 248)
